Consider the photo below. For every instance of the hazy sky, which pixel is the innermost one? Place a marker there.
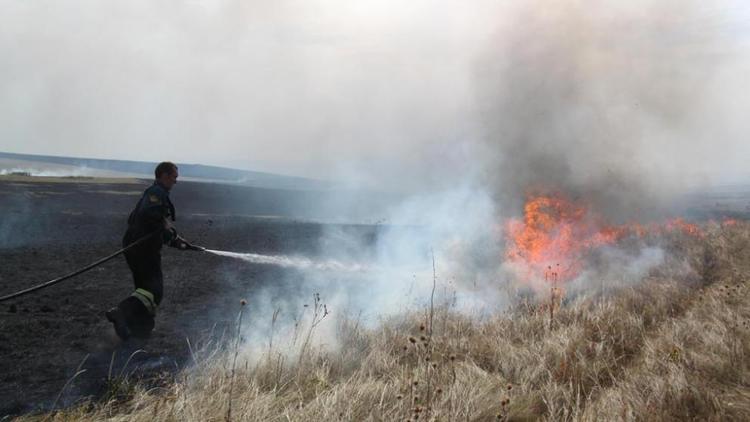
(371, 88)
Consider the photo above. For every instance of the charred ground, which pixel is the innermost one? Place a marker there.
(50, 227)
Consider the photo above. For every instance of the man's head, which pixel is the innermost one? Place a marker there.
(166, 174)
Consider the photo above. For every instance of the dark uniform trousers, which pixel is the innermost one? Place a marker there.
(144, 259)
(139, 308)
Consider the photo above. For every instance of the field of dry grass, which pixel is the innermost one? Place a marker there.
(674, 347)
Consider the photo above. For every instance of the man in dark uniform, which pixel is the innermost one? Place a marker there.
(152, 217)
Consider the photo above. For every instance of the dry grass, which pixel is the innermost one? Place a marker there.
(674, 347)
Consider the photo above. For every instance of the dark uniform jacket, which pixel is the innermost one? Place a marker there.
(152, 214)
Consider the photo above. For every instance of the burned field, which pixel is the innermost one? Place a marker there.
(674, 345)
(50, 227)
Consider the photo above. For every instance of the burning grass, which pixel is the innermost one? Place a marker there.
(673, 347)
(551, 245)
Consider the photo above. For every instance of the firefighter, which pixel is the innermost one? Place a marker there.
(153, 216)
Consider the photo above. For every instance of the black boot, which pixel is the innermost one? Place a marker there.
(117, 318)
(139, 320)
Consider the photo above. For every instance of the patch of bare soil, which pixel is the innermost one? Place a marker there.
(59, 334)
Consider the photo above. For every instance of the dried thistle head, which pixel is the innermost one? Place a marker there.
(243, 302)
(421, 327)
(509, 387)
(412, 340)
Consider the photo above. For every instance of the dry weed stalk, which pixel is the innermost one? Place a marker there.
(319, 313)
(238, 337)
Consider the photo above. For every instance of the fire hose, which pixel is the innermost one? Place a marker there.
(88, 267)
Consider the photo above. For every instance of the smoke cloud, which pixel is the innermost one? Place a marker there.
(615, 102)
(623, 106)
(380, 93)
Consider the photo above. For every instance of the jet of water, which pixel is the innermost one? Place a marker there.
(293, 261)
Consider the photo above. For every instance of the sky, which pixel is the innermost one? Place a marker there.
(379, 92)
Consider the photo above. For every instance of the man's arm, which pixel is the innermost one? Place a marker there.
(156, 211)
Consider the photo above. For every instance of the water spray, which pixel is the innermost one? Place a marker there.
(293, 261)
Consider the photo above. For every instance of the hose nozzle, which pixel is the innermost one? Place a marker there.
(195, 248)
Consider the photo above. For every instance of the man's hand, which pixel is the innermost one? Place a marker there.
(170, 236)
(178, 242)
(184, 245)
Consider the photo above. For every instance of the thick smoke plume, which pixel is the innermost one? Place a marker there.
(612, 105)
(621, 103)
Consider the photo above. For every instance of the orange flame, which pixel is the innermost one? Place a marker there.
(553, 238)
(556, 234)
(680, 225)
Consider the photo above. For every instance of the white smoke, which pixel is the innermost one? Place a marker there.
(462, 105)
(32, 171)
(611, 102)
(616, 268)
